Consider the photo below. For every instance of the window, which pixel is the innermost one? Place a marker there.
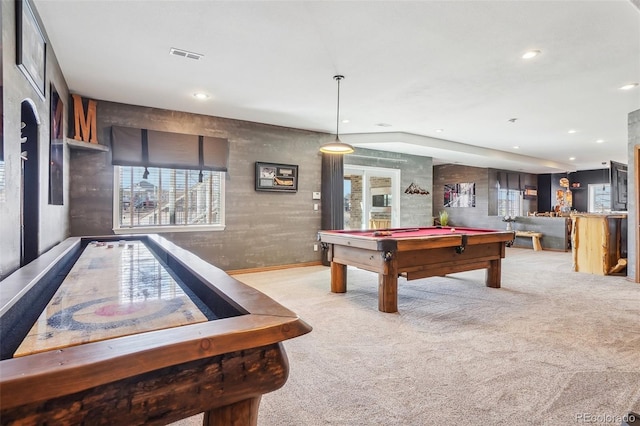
(509, 202)
(167, 200)
(599, 198)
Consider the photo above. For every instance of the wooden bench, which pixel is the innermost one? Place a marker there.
(535, 238)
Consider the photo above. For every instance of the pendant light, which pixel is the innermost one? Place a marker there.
(337, 146)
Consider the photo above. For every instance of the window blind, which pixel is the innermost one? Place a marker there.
(152, 148)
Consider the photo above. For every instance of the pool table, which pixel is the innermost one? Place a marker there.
(61, 363)
(413, 253)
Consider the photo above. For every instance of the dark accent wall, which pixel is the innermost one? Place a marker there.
(485, 213)
(580, 195)
(544, 193)
(262, 228)
(548, 184)
(446, 174)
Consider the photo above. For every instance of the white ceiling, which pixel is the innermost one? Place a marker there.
(416, 65)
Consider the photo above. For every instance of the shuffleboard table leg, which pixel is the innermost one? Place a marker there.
(494, 273)
(242, 413)
(338, 278)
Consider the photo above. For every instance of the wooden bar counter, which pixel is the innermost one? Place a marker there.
(598, 243)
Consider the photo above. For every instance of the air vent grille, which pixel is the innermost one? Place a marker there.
(185, 54)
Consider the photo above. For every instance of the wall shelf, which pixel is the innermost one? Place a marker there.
(74, 144)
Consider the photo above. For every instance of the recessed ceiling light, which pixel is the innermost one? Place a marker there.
(345, 121)
(531, 54)
(439, 130)
(629, 86)
(516, 147)
(572, 131)
(572, 158)
(200, 95)
(600, 141)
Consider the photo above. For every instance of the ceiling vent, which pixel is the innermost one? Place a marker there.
(185, 54)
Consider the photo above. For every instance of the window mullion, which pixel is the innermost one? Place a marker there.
(131, 200)
(187, 198)
(210, 198)
(159, 206)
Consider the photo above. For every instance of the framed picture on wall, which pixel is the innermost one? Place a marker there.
(460, 195)
(31, 46)
(56, 148)
(618, 186)
(276, 177)
(530, 192)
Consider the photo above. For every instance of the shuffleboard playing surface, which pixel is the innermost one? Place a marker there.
(114, 289)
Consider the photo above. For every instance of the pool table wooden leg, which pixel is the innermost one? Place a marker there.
(494, 273)
(388, 287)
(338, 278)
(242, 413)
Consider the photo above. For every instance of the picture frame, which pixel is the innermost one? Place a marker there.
(276, 177)
(460, 195)
(56, 148)
(31, 47)
(619, 186)
(530, 192)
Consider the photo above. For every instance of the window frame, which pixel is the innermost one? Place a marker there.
(157, 229)
(516, 201)
(593, 188)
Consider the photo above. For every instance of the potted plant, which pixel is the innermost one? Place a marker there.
(444, 218)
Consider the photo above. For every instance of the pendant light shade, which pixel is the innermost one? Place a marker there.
(337, 146)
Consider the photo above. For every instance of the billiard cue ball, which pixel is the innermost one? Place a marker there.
(453, 229)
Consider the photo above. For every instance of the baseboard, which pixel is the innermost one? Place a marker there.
(273, 268)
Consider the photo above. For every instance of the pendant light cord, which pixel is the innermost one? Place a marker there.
(338, 78)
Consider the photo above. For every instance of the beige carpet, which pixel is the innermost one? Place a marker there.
(551, 347)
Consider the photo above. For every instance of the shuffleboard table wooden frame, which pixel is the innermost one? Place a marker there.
(414, 256)
(220, 367)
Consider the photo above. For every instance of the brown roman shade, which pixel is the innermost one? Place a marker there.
(509, 180)
(152, 148)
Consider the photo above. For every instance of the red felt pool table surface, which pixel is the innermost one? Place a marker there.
(414, 253)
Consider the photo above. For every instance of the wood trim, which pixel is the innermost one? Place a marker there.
(78, 368)
(273, 268)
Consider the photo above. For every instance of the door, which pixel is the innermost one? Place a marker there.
(30, 185)
(371, 197)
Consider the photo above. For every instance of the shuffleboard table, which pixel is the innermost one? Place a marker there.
(413, 253)
(135, 330)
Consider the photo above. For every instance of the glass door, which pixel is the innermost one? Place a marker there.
(371, 197)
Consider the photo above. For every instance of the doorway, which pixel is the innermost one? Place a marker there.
(29, 185)
(636, 168)
(371, 197)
